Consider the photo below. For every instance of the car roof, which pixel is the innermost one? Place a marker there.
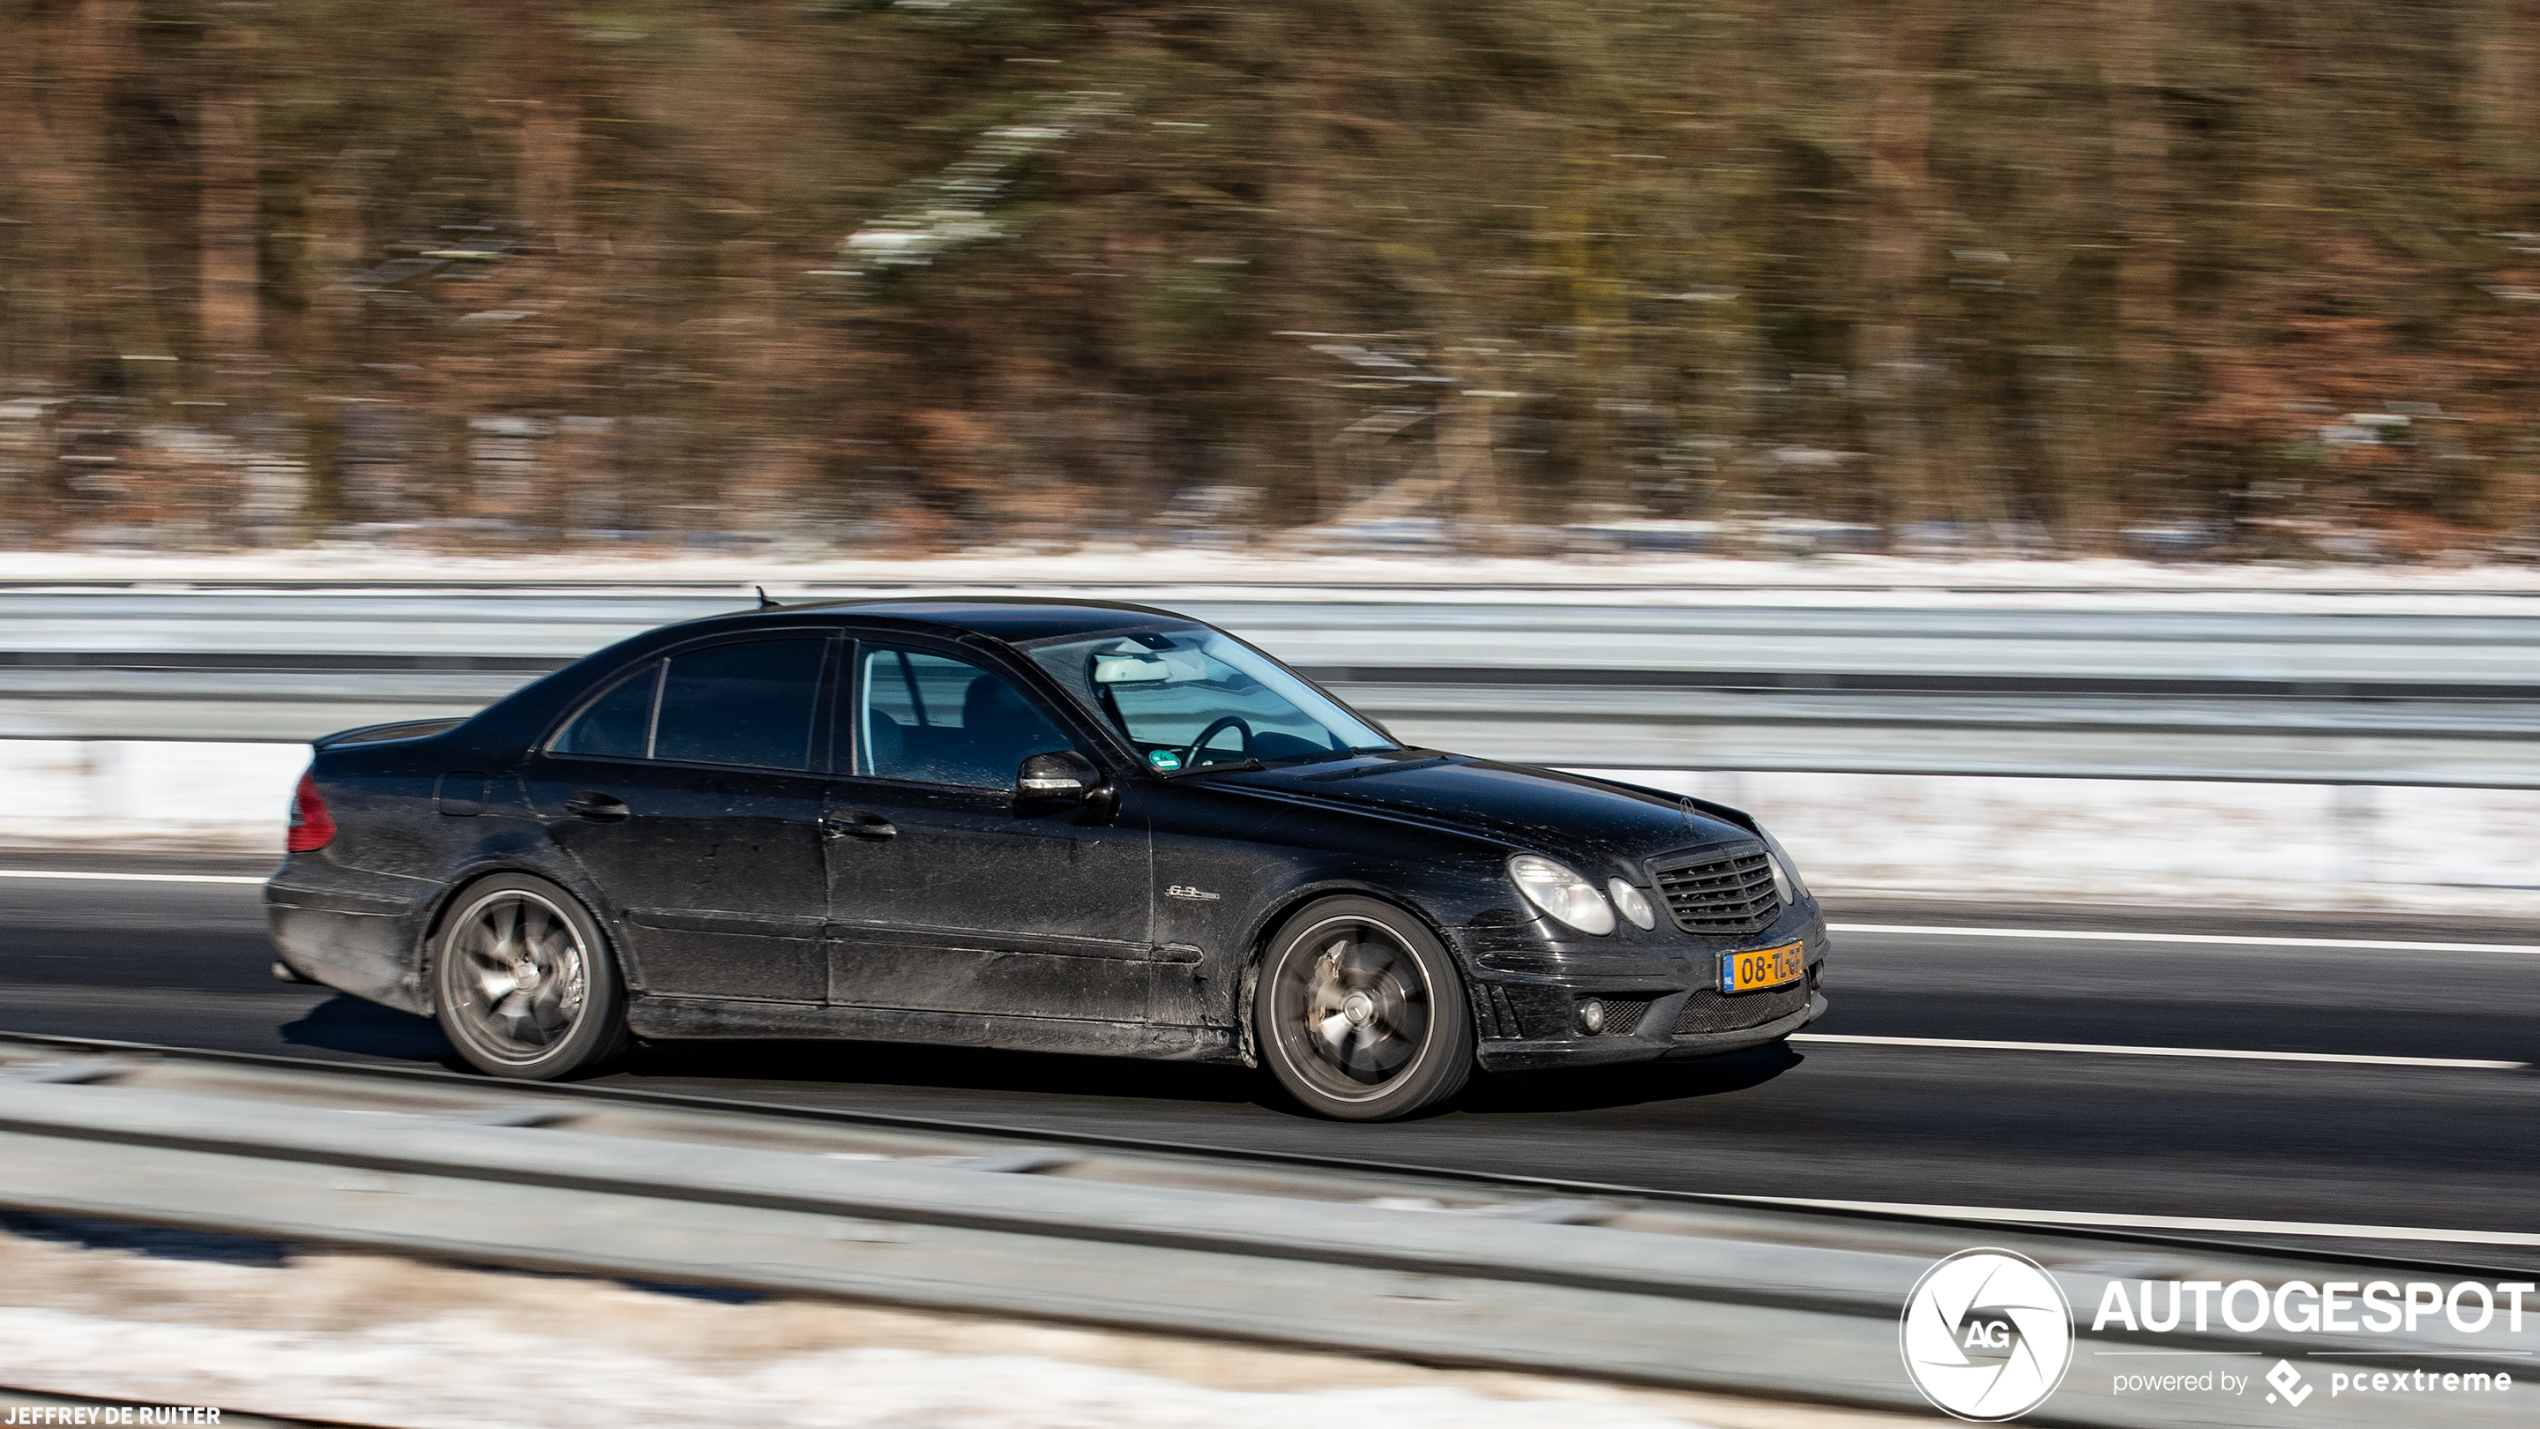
(1012, 618)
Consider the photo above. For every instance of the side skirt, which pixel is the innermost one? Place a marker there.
(704, 1018)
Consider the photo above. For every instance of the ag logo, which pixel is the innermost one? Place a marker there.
(1987, 1335)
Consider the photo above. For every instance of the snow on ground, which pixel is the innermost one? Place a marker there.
(370, 1340)
(2145, 843)
(2177, 843)
(2181, 843)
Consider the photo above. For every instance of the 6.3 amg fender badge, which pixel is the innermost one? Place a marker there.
(1987, 1335)
(1189, 894)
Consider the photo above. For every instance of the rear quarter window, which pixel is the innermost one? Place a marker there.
(617, 725)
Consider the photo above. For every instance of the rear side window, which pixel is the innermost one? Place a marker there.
(617, 725)
(750, 704)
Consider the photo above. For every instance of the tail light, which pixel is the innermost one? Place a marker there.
(312, 826)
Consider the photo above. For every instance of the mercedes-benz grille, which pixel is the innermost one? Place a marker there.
(1724, 889)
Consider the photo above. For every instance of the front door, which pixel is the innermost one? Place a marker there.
(947, 894)
(687, 793)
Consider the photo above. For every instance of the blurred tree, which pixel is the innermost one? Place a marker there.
(232, 266)
(912, 273)
(1892, 367)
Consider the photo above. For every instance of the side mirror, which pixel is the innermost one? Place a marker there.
(1062, 775)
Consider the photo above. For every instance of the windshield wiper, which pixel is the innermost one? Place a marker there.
(1238, 767)
(1319, 756)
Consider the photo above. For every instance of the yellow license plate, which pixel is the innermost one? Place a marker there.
(1763, 968)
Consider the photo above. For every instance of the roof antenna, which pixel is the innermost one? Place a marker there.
(763, 602)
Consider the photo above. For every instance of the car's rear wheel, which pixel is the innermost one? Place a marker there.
(1360, 1013)
(523, 983)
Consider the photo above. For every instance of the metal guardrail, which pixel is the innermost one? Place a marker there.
(1860, 684)
(441, 1166)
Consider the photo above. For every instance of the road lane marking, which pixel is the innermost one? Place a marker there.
(2123, 1050)
(132, 877)
(2056, 934)
(2118, 1220)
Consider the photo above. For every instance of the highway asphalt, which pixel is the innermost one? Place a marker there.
(2442, 1143)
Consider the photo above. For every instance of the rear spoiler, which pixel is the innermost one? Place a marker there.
(383, 733)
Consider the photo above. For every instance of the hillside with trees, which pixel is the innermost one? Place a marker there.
(2255, 279)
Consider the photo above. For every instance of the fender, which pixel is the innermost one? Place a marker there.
(1257, 944)
(491, 861)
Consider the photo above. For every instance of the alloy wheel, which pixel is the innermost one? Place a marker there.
(1354, 1009)
(520, 975)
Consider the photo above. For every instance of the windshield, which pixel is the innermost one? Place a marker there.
(1192, 697)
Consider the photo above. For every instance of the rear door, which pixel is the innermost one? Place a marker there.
(689, 791)
(948, 894)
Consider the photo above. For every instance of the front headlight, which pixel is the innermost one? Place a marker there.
(1785, 873)
(1633, 902)
(1561, 893)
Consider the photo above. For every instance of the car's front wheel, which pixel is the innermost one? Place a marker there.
(1360, 1013)
(524, 985)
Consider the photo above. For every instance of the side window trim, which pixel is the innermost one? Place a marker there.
(652, 709)
(835, 677)
(860, 651)
(846, 742)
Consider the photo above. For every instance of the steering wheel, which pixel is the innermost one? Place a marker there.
(1190, 756)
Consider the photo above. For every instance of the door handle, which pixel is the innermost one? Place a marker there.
(592, 804)
(858, 825)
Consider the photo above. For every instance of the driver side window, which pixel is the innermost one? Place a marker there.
(938, 720)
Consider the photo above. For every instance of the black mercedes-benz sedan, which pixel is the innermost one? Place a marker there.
(1054, 825)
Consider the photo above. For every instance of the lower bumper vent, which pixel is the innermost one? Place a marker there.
(1623, 1014)
(1710, 1010)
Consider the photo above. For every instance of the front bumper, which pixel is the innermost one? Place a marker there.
(1660, 998)
(1531, 1056)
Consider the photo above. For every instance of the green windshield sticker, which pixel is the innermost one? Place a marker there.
(1164, 759)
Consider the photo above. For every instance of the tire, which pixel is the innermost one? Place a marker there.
(1360, 1013)
(523, 983)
